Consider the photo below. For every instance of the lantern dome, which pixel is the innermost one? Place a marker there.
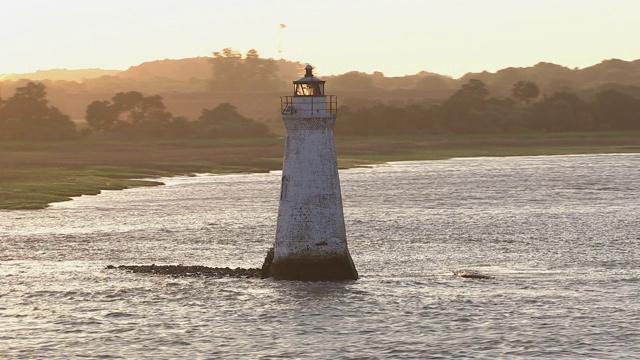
(308, 85)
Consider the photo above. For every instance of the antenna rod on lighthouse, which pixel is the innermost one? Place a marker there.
(311, 240)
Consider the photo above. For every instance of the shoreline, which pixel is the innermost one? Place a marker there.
(35, 175)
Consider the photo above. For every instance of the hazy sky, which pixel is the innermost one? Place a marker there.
(396, 37)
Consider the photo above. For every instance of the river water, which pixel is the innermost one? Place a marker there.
(559, 234)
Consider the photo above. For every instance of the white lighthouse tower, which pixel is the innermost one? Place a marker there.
(311, 241)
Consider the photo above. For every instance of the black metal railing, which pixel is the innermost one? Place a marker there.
(330, 104)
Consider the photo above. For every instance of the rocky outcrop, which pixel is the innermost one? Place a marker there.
(471, 274)
(191, 270)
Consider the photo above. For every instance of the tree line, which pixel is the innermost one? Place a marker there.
(470, 110)
(188, 85)
(27, 116)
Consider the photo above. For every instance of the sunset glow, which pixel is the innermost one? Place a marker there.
(394, 37)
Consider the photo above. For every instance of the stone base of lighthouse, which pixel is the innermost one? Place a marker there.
(314, 268)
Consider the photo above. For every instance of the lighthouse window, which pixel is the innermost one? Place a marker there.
(309, 89)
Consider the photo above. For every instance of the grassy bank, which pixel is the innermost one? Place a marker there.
(33, 175)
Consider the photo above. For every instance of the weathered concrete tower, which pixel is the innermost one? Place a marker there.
(311, 241)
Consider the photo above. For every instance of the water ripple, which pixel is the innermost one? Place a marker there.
(558, 235)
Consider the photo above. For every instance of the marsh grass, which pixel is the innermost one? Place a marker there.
(33, 175)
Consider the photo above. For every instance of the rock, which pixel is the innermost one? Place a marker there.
(471, 274)
(190, 270)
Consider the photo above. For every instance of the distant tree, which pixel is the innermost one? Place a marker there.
(494, 116)
(224, 121)
(27, 116)
(134, 108)
(227, 70)
(525, 91)
(232, 73)
(261, 74)
(180, 127)
(562, 111)
(384, 119)
(615, 110)
(130, 113)
(463, 111)
(474, 89)
(371, 121)
(101, 116)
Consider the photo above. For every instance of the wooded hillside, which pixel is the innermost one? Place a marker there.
(185, 85)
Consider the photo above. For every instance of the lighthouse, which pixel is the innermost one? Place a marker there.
(311, 240)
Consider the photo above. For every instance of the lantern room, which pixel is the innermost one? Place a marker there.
(309, 99)
(309, 85)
